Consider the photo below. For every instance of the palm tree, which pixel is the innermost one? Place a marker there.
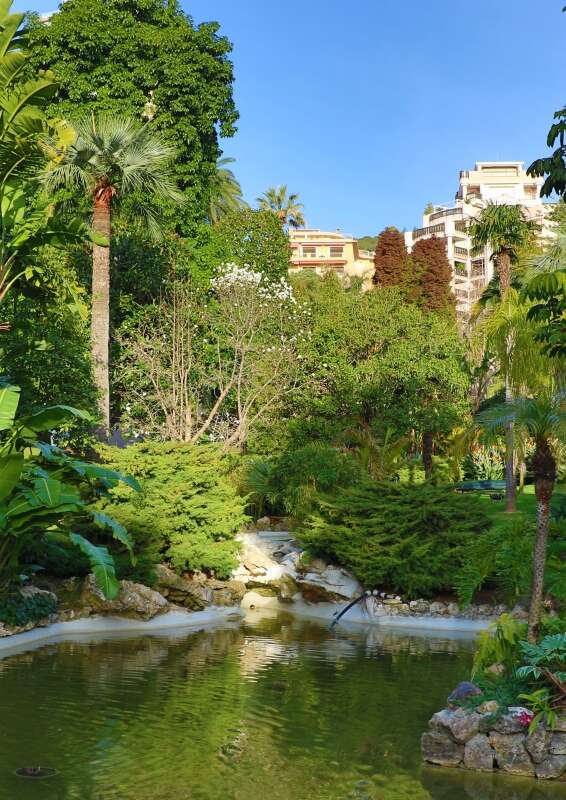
(285, 205)
(542, 420)
(111, 158)
(505, 230)
(225, 192)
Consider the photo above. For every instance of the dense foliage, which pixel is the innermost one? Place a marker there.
(17, 609)
(406, 538)
(391, 259)
(148, 61)
(432, 275)
(188, 511)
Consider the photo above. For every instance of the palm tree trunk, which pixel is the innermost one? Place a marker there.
(544, 468)
(427, 453)
(539, 561)
(510, 483)
(100, 314)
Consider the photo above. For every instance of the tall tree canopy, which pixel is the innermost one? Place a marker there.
(284, 204)
(109, 55)
(433, 274)
(391, 259)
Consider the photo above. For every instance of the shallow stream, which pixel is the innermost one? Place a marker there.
(272, 709)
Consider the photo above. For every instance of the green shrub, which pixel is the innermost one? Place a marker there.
(292, 482)
(17, 610)
(502, 558)
(410, 538)
(188, 511)
(499, 644)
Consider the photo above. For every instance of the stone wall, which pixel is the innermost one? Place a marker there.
(487, 740)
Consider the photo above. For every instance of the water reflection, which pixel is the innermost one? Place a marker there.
(274, 708)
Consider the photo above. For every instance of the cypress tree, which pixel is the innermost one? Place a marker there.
(391, 259)
(433, 275)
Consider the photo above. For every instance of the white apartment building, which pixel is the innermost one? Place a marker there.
(495, 181)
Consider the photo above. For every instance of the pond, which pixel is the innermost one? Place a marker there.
(272, 709)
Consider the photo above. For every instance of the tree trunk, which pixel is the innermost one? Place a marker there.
(539, 561)
(510, 483)
(544, 468)
(427, 453)
(100, 314)
(504, 272)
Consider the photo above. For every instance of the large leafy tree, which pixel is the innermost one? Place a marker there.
(505, 231)
(108, 55)
(110, 159)
(284, 204)
(542, 420)
(246, 236)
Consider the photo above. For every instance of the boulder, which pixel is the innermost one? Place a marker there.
(464, 725)
(537, 744)
(464, 690)
(478, 753)
(511, 722)
(255, 560)
(558, 744)
(439, 748)
(511, 754)
(263, 523)
(332, 585)
(551, 767)
(182, 591)
(285, 587)
(134, 600)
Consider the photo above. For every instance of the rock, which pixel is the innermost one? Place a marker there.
(518, 612)
(437, 609)
(34, 591)
(462, 692)
(182, 591)
(332, 585)
(419, 607)
(255, 560)
(496, 669)
(537, 744)
(512, 722)
(489, 707)
(285, 588)
(263, 523)
(226, 593)
(551, 767)
(558, 744)
(442, 720)
(464, 725)
(453, 609)
(439, 748)
(510, 753)
(478, 753)
(560, 724)
(134, 600)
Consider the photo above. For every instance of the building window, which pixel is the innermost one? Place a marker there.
(336, 251)
(309, 251)
(478, 267)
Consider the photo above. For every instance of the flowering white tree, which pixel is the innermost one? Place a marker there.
(197, 366)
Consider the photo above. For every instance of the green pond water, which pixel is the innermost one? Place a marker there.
(272, 709)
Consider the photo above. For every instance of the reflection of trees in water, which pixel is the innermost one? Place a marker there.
(281, 708)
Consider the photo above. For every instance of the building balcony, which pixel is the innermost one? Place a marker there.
(418, 233)
(446, 212)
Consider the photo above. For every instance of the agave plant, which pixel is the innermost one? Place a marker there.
(44, 491)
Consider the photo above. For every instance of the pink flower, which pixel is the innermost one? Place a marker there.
(525, 717)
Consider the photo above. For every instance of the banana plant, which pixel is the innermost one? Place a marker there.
(44, 491)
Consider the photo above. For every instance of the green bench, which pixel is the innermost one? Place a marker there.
(495, 489)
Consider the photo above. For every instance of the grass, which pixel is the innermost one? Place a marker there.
(526, 504)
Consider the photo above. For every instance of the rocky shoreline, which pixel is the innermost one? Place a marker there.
(272, 570)
(487, 740)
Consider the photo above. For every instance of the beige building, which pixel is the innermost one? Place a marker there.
(323, 251)
(489, 181)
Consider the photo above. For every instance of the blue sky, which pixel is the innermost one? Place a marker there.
(370, 108)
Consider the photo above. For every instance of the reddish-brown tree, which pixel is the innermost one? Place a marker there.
(391, 259)
(432, 275)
